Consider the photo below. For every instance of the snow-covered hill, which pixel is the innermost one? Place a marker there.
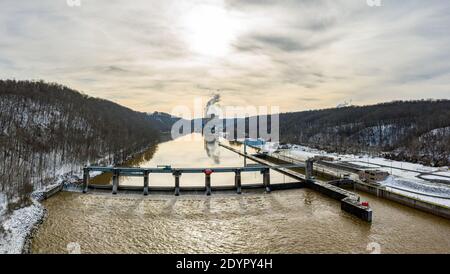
(48, 130)
(415, 131)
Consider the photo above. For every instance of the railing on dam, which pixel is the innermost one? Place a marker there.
(349, 201)
(178, 172)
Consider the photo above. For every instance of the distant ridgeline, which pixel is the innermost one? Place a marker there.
(416, 131)
(48, 130)
(162, 121)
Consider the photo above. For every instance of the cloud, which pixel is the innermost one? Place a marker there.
(293, 54)
(280, 42)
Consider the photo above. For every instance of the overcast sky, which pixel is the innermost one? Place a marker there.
(154, 55)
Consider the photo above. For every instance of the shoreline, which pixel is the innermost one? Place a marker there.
(18, 228)
(22, 224)
(26, 248)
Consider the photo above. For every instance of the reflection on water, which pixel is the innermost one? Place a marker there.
(213, 151)
(190, 151)
(139, 158)
(292, 221)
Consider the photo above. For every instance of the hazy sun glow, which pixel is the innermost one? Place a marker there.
(154, 55)
(209, 30)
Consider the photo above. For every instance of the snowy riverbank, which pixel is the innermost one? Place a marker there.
(431, 184)
(18, 227)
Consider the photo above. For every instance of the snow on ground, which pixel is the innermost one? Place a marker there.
(3, 204)
(399, 164)
(363, 165)
(418, 187)
(443, 173)
(301, 153)
(269, 147)
(434, 177)
(409, 175)
(18, 226)
(403, 177)
(406, 169)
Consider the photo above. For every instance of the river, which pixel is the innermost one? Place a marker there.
(291, 221)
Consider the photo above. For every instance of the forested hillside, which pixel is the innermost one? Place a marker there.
(417, 131)
(162, 121)
(47, 130)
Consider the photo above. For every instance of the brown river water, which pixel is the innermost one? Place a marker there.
(290, 221)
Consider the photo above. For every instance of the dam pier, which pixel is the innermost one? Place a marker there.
(350, 202)
(296, 216)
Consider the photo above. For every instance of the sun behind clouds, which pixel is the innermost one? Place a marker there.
(209, 30)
